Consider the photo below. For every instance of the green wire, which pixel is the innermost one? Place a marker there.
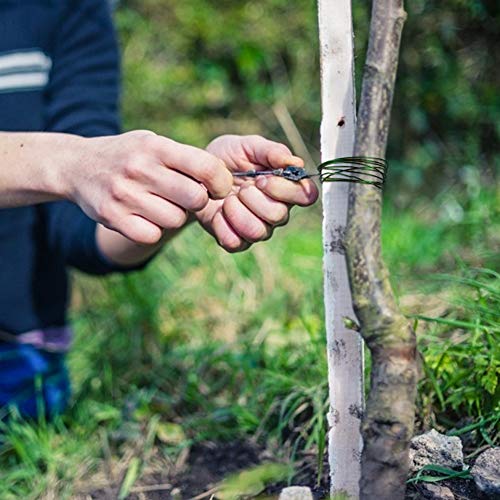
(357, 169)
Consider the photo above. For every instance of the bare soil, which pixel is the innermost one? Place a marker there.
(208, 463)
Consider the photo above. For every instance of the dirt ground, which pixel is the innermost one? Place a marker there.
(208, 463)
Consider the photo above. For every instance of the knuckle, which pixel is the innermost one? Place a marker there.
(138, 237)
(216, 176)
(107, 214)
(223, 138)
(153, 236)
(225, 180)
(229, 246)
(132, 168)
(269, 234)
(232, 245)
(140, 133)
(149, 236)
(256, 232)
(199, 199)
(177, 219)
(150, 140)
(118, 191)
(141, 139)
(283, 149)
(231, 249)
(279, 216)
(209, 170)
(284, 220)
(254, 137)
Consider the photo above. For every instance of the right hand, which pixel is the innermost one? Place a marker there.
(140, 183)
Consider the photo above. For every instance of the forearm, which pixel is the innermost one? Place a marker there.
(139, 187)
(32, 167)
(124, 252)
(36, 168)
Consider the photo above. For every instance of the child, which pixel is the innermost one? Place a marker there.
(87, 198)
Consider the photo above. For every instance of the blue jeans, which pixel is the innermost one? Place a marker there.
(33, 380)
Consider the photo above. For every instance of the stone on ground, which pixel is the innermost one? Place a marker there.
(296, 493)
(436, 448)
(436, 492)
(486, 472)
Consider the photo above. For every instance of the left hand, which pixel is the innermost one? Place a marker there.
(255, 206)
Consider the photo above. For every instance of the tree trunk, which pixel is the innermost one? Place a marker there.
(389, 416)
(344, 347)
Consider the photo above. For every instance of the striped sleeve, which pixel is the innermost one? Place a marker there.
(24, 70)
(82, 98)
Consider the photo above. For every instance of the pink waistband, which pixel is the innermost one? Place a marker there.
(52, 339)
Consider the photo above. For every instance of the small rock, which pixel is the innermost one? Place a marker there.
(435, 448)
(296, 493)
(486, 472)
(436, 491)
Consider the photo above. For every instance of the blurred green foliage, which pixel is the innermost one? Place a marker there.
(203, 345)
(196, 69)
(467, 349)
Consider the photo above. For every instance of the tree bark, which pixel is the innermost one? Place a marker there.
(344, 347)
(389, 416)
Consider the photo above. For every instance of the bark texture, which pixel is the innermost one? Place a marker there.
(388, 421)
(344, 349)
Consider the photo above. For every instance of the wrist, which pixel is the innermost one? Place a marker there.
(63, 164)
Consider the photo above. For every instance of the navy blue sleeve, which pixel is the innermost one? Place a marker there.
(82, 98)
(83, 91)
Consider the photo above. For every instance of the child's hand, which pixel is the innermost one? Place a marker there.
(255, 206)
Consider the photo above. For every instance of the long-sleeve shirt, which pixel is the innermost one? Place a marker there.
(59, 72)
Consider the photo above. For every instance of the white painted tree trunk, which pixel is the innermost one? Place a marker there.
(345, 349)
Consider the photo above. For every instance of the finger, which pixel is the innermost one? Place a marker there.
(226, 236)
(179, 189)
(244, 222)
(266, 208)
(262, 151)
(161, 212)
(303, 193)
(198, 164)
(139, 230)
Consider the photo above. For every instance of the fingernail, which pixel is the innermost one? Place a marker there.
(261, 182)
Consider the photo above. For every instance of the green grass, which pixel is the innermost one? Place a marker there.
(205, 345)
(462, 358)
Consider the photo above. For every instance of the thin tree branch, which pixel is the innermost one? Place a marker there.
(389, 417)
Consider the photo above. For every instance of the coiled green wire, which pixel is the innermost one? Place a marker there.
(357, 169)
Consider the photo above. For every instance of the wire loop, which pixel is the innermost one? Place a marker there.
(357, 169)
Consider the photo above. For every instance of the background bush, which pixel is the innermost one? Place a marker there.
(199, 68)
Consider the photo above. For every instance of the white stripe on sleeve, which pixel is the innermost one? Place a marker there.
(23, 81)
(34, 59)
